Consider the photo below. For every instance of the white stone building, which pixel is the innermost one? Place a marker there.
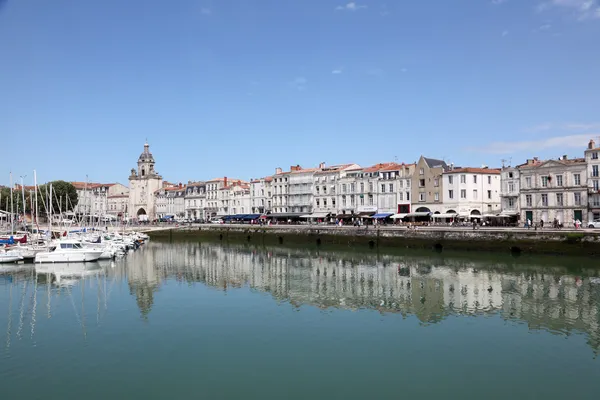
(280, 192)
(554, 189)
(214, 205)
(393, 188)
(471, 192)
(142, 185)
(381, 190)
(261, 191)
(235, 199)
(92, 198)
(170, 202)
(117, 200)
(510, 183)
(592, 159)
(300, 190)
(326, 189)
(195, 201)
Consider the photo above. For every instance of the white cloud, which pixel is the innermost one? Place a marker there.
(205, 11)
(543, 27)
(504, 33)
(352, 6)
(375, 72)
(581, 9)
(569, 141)
(299, 83)
(336, 71)
(568, 127)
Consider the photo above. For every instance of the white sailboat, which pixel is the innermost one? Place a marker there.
(10, 256)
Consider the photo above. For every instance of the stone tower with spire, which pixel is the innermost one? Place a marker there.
(142, 185)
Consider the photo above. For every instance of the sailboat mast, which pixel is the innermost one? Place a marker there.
(12, 207)
(36, 200)
(50, 211)
(23, 197)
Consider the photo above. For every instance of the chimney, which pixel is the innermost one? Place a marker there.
(591, 144)
(278, 170)
(225, 181)
(564, 157)
(322, 165)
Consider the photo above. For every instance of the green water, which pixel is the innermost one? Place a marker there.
(186, 321)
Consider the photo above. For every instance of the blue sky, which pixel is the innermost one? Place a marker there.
(239, 87)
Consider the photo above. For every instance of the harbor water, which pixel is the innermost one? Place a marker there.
(211, 321)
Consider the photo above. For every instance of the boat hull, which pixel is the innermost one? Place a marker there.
(68, 257)
(9, 259)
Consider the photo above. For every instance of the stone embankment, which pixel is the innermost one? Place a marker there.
(515, 240)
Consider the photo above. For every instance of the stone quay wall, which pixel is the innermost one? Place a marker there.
(580, 243)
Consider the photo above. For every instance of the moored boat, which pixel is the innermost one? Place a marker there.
(67, 251)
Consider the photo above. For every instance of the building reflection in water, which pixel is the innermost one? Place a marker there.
(428, 287)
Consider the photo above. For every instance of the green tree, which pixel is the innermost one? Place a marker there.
(17, 200)
(60, 190)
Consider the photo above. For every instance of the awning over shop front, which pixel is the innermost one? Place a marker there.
(345, 216)
(382, 215)
(419, 214)
(443, 216)
(509, 214)
(286, 215)
(398, 216)
(365, 214)
(316, 215)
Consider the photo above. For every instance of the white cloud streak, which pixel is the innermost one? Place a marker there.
(581, 9)
(570, 127)
(352, 6)
(299, 83)
(570, 141)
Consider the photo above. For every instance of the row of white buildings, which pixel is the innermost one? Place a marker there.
(565, 189)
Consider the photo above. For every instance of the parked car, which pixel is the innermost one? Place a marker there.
(594, 224)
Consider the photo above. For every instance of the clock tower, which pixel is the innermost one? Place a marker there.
(142, 185)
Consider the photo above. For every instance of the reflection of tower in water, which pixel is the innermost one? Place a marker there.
(143, 277)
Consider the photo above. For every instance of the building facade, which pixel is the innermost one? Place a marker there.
(280, 191)
(592, 159)
(300, 190)
(195, 201)
(554, 189)
(261, 195)
(235, 199)
(471, 192)
(510, 183)
(326, 187)
(427, 185)
(170, 202)
(143, 183)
